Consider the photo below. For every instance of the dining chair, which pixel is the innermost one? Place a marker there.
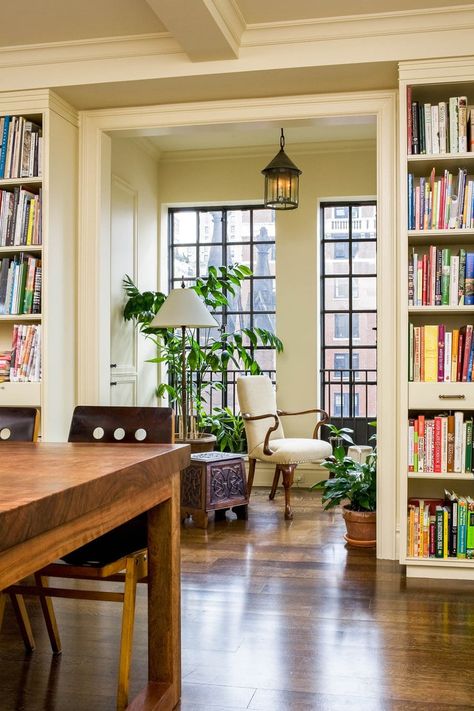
(19, 424)
(266, 439)
(121, 549)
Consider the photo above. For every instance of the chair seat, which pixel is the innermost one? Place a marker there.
(293, 450)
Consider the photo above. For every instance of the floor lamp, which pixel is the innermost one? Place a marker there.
(183, 309)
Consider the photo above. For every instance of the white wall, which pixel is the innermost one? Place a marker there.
(138, 168)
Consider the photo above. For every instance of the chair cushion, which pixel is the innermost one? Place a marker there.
(293, 450)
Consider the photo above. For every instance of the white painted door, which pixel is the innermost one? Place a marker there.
(123, 260)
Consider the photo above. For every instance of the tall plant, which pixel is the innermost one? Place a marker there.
(214, 351)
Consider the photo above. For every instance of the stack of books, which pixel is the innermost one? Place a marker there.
(439, 128)
(441, 528)
(441, 203)
(20, 285)
(441, 277)
(440, 354)
(25, 365)
(441, 444)
(21, 148)
(20, 217)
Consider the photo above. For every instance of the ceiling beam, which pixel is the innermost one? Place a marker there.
(205, 29)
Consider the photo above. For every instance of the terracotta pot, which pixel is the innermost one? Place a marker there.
(202, 443)
(361, 527)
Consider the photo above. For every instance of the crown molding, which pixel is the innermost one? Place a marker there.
(263, 152)
(404, 22)
(146, 145)
(451, 69)
(157, 44)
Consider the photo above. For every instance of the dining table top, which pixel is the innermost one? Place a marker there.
(46, 485)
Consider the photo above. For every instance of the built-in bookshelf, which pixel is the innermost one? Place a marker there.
(38, 168)
(436, 320)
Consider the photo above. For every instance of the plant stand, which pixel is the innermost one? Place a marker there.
(214, 481)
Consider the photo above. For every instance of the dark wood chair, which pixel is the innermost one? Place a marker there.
(123, 548)
(19, 424)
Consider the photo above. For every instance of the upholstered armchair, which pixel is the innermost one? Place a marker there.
(265, 437)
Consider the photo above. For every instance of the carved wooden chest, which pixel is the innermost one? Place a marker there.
(215, 481)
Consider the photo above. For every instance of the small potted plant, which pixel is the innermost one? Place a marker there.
(355, 483)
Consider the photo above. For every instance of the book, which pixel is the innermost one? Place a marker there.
(469, 280)
(470, 528)
(431, 353)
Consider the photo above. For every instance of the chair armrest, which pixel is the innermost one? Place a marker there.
(249, 418)
(322, 421)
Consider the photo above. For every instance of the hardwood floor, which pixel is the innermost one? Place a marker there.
(277, 615)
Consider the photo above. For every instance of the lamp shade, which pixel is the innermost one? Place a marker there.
(183, 307)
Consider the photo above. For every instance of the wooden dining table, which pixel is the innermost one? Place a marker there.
(56, 497)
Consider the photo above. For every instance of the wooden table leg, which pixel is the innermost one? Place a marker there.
(164, 624)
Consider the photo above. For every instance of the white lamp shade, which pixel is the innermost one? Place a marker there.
(183, 307)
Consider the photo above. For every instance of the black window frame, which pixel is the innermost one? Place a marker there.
(251, 314)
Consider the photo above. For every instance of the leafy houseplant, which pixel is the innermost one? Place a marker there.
(228, 428)
(215, 350)
(356, 483)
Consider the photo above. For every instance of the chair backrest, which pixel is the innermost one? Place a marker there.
(99, 423)
(18, 424)
(257, 397)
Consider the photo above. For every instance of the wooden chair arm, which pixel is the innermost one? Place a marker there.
(249, 418)
(322, 421)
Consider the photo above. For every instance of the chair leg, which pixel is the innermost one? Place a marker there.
(21, 614)
(276, 477)
(126, 640)
(288, 474)
(252, 464)
(48, 614)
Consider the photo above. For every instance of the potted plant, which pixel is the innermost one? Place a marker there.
(353, 482)
(211, 354)
(228, 429)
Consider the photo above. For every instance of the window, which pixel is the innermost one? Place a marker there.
(201, 237)
(349, 311)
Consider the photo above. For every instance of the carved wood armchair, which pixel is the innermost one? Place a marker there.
(266, 439)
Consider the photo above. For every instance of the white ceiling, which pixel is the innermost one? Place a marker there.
(66, 20)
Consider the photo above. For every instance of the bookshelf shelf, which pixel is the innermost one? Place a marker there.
(435, 189)
(20, 394)
(17, 249)
(441, 310)
(437, 476)
(20, 317)
(25, 182)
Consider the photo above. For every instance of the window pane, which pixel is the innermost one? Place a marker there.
(184, 227)
(336, 294)
(266, 359)
(264, 295)
(364, 293)
(264, 225)
(239, 254)
(364, 222)
(334, 264)
(209, 256)
(266, 321)
(241, 300)
(264, 259)
(341, 325)
(366, 322)
(363, 258)
(336, 223)
(238, 226)
(210, 226)
(184, 262)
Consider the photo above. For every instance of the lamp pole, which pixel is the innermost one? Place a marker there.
(184, 404)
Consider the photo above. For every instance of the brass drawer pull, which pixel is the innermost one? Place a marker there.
(452, 397)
